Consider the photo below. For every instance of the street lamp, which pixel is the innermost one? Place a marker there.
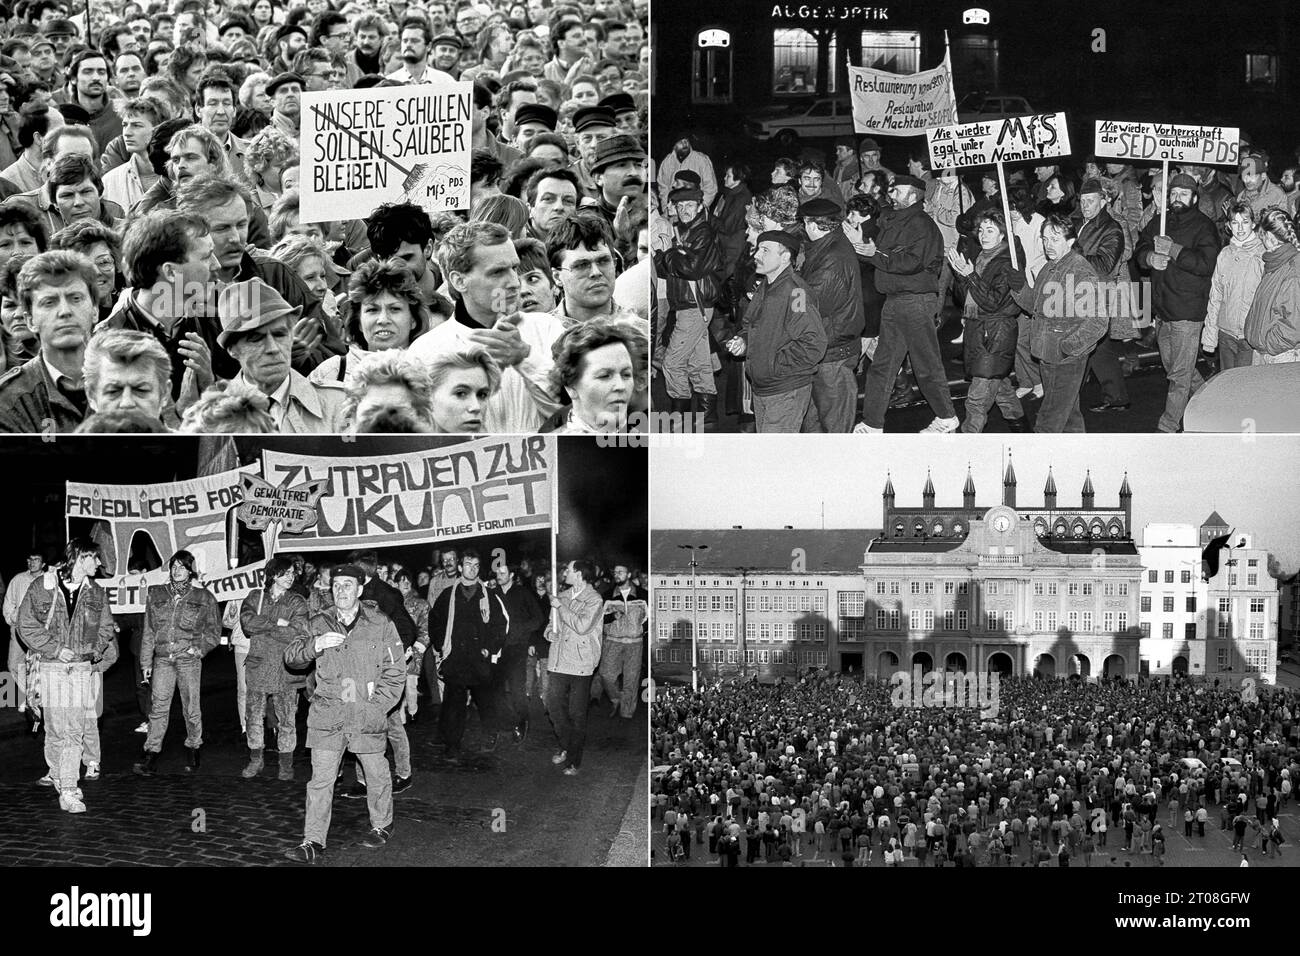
(695, 611)
(744, 649)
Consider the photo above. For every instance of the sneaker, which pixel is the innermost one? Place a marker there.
(558, 759)
(376, 837)
(1022, 392)
(70, 800)
(306, 852)
(92, 771)
(143, 728)
(570, 771)
(942, 426)
(402, 784)
(862, 428)
(1038, 390)
(355, 792)
(46, 781)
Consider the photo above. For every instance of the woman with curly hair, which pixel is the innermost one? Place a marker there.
(268, 155)
(385, 311)
(102, 246)
(596, 366)
(229, 408)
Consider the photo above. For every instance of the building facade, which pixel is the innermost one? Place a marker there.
(1050, 589)
(1173, 608)
(1242, 608)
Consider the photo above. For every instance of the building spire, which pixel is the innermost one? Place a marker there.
(889, 485)
(1124, 490)
(1050, 487)
(1009, 484)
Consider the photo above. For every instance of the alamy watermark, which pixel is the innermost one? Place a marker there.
(947, 689)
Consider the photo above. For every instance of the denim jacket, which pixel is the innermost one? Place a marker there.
(175, 625)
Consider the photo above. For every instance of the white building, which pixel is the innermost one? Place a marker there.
(1242, 608)
(1172, 614)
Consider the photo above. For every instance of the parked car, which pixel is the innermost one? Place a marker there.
(1256, 398)
(824, 118)
(986, 106)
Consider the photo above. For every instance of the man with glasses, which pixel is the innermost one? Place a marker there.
(469, 20)
(316, 67)
(581, 253)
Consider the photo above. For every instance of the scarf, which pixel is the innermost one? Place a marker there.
(970, 310)
(484, 609)
(178, 590)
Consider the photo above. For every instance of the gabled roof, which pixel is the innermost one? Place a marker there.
(1215, 520)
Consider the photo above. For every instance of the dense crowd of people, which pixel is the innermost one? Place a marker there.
(356, 639)
(829, 768)
(779, 286)
(156, 274)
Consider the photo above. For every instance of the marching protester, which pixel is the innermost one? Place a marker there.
(209, 121)
(1273, 325)
(575, 647)
(66, 622)
(1181, 263)
(1237, 273)
(181, 625)
(271, 619)
(626, 619)
(360, 676)
(17, 656)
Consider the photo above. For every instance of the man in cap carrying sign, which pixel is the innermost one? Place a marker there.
(360, 674)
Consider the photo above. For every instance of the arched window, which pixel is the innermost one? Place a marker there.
(958, 527)
(1079, 529)
(918, 529)
(1040, 528)
(1060, 529)
(712, 72)
(937, 529)
(898, 530)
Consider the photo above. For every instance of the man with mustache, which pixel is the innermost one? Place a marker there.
(619, 172)
(368, 33)
(1182, 264)
(88, 77)
(416, 43)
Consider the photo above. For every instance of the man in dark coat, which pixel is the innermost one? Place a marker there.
(830, 268)
(783, 339)
(1182, 264)
(1101, 242)
(908, 257)
(467, 627)
(692, 266)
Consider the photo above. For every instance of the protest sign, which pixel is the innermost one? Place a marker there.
(293, 508)
(1166, 143)
(1014, 139)
(454, 491)
(1008, 140)
(362, 148)
(183, 515)
(902, 105)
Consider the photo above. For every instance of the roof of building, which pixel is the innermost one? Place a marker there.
(1215, 520)
(762, 549)
(1089, 545)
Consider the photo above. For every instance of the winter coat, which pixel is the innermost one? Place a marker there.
(1180, 291)
(909, 252)
(1056, 336)
(1232, 290)
(945, 206)
(179, 627)
(524, 613)
(463, 661)
(575, 647)
(1273, 322)
(783, 343)
(357, 683)
(729, 224)
(268, 639)
(46, 628)
(694, 259)
(830, 270)
(989, 344)
(1101, 241)
(1269, 194)
(630, 625)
